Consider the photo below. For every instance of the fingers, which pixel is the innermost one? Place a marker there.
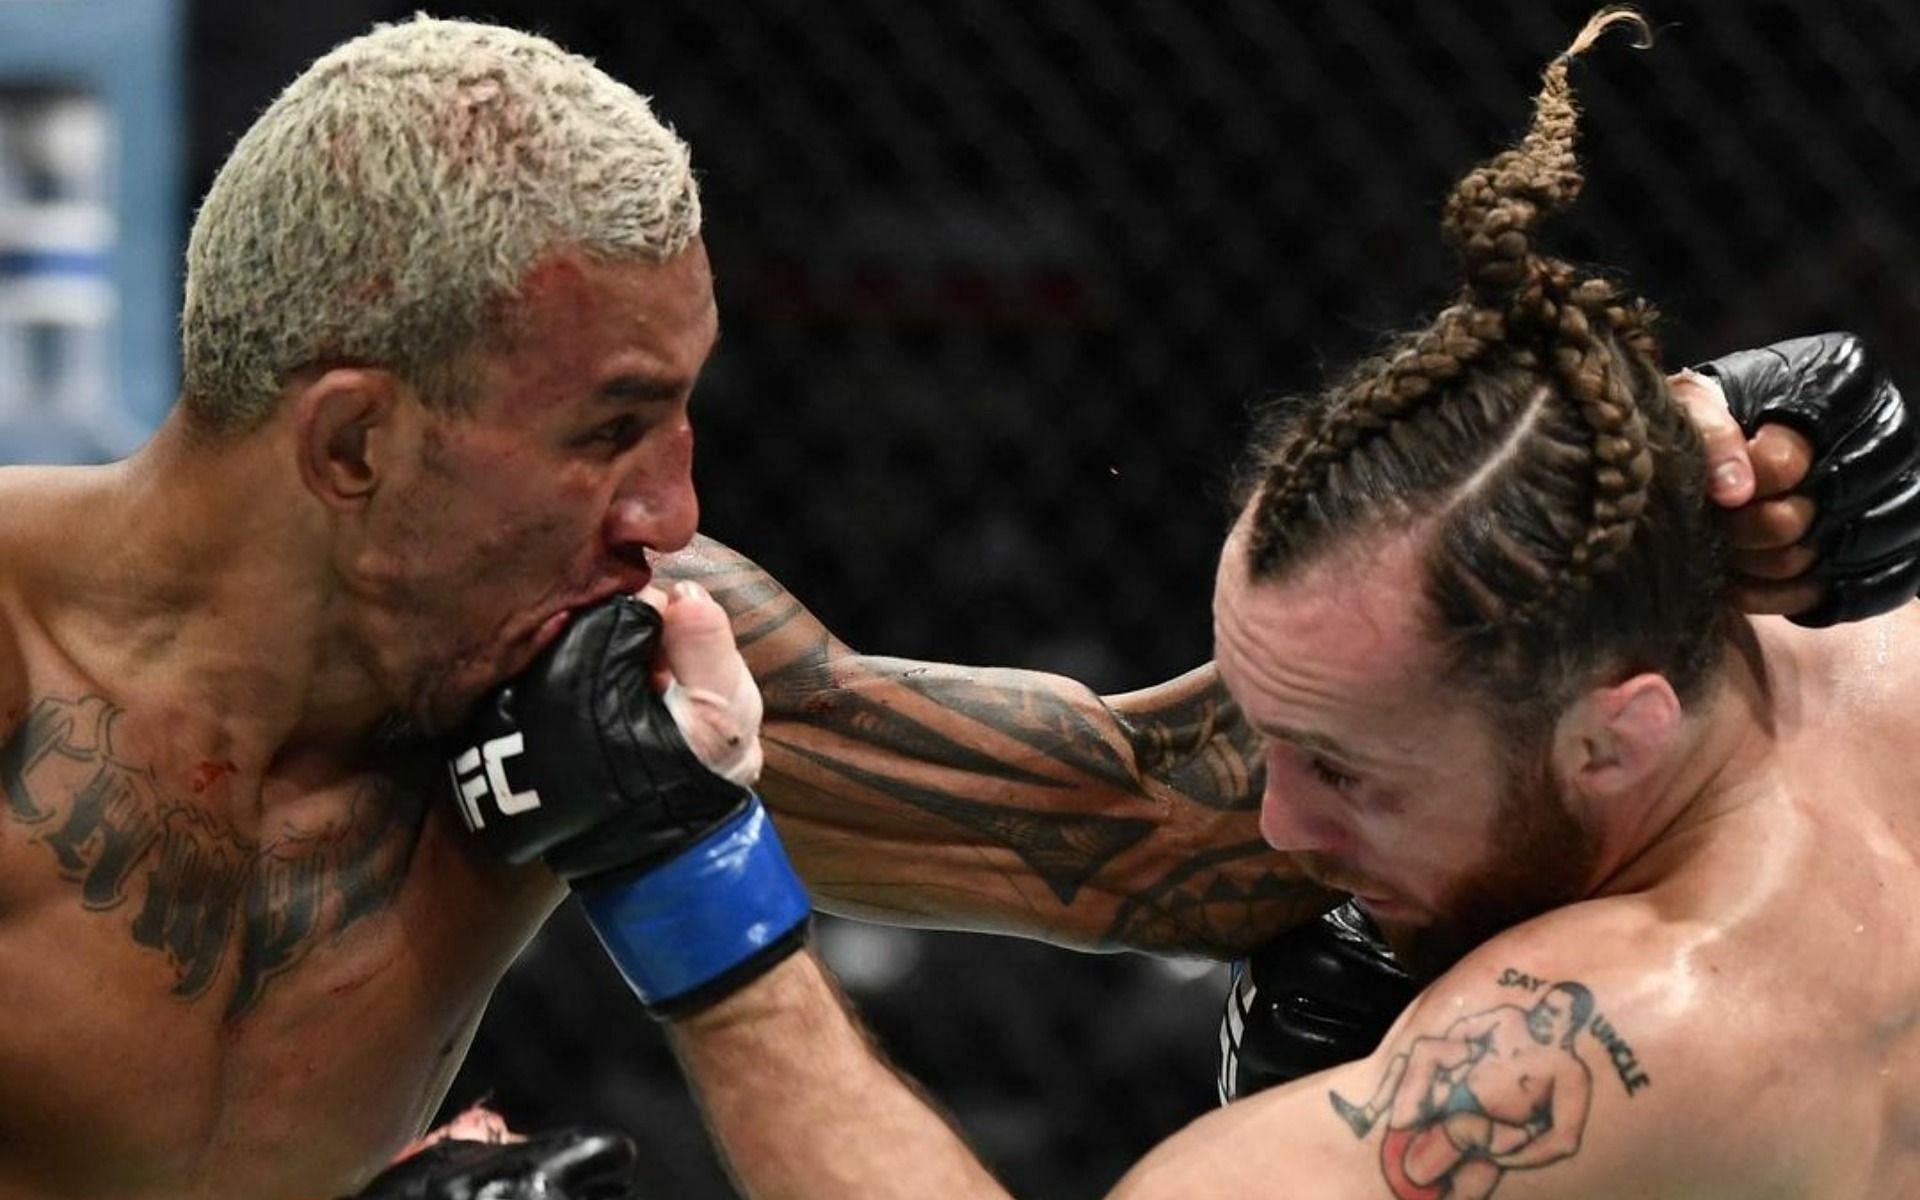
(1780, 458)
(1773, 566)
(697, 641)
(476, 1124)
(590, 1161)
(1767, 559)
(1729, 470)
(659, 677)
(711, 694)
(1770, 524)
(1783, 598)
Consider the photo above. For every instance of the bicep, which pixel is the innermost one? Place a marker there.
(1286, 1141)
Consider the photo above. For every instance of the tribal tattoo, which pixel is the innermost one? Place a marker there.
(1156, 803)
(202, 895)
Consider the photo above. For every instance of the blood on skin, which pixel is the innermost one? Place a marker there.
(210, 772)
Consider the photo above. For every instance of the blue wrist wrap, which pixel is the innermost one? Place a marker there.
(702, 914)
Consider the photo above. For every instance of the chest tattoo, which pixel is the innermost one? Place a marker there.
(200, 893)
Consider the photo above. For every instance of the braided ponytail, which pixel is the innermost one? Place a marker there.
(1528, 433)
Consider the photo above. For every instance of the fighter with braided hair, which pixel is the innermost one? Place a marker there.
(1659, 856)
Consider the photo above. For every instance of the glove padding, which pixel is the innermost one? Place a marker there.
(571, 1164)
(1865, 477)
(618, 788)
(1319, 995)
(680, 871)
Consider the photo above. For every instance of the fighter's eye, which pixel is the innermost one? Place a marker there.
(1333, 777)
(619, 433)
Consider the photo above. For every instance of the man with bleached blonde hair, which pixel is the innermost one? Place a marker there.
(446, 305)
(389, 201)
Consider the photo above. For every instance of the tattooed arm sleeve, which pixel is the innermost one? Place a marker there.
(1003, 800)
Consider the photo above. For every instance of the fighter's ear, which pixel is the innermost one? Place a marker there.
(1614, 738)
(346, 425)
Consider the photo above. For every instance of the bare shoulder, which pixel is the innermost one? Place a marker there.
(1596, 1043)
(22, 497)
(1864, 673)
(13, 675)
(14, 550)
(1578, 1055)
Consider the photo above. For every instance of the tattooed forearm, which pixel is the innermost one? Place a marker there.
(1063, 850)
(1019, 707)
(1189, 733)
(849, 710)
(1211, 902)
(1136, 816)
(206, 897)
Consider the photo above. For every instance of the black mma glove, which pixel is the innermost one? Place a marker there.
(573, 1164)
(578, 761)
(1865, 477)
(1317, 996)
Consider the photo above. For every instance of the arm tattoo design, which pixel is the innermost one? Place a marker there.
(1027, 762)
(1198, 744)
(1063, 849)
(205, 895)
(1203, 906)
(1504, 1089)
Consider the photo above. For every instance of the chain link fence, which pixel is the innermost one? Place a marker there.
(999, 280)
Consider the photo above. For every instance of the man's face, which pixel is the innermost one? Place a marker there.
(1550, 1019)
(574, 461)
(1380, 780)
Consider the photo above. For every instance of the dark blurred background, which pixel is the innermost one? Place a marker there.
(999, 281)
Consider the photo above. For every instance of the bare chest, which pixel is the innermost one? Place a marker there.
(215, 1005)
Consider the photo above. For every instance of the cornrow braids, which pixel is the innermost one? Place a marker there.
(1528, 434)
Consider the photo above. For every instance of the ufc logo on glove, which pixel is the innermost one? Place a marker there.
(482, 771)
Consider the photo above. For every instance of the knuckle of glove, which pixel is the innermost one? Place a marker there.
(1874, 455)
(1865, 479)
(578, 761)
(1865, 540)
(1817, 385)
(1315, 997)
(567, 1165)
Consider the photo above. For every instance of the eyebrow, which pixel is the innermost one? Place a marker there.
(1316, 742)
(640, 389)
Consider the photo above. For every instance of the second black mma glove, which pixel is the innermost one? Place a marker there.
(1319, 995)
(579, 762)
(1865, 477)
(573, 1164)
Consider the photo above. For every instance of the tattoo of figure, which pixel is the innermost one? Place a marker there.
(1501, 1090)
(206, 896)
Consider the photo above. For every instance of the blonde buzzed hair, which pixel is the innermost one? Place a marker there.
(386, 208)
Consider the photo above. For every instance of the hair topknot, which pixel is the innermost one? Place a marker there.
(1526, 431)
(1514, 300)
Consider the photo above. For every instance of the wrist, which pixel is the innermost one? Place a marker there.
(698, 926)
(795, 992)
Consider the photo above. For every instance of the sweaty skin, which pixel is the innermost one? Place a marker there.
(289, 941)
(245, 941)
(256, 946)
(1781, 852)
(295, 953)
